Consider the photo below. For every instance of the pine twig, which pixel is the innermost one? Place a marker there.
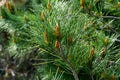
(69, 63)
(117, 40)
(107, 17)
(110, 17)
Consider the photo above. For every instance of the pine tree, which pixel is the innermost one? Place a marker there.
(60, 40)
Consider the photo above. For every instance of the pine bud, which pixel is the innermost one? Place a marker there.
(68, 56)
(92, 51)
(85, 26)
(106, 41)
(57, 44)
(91, 22)
(101, 14)
(48, 5)
(118, 5)
(112, 77)
(26, 18)
(9, 6)
(103, 52)
(103, 75)
(57, 31)
(42, 16)
(70, 40)
(46, 40)
(82, 3)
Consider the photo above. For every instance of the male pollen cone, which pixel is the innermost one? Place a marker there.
(57, 44)
(112, 77)
(106, 41)
(42, 16)
(46, 40)
(57, 31)
(92, 51)
(8, 5)
(48, 5)
(70, 40)
(82, 3)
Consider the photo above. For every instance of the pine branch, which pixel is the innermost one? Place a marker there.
(69, 63)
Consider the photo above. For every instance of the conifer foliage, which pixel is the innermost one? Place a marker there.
(60, 40)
